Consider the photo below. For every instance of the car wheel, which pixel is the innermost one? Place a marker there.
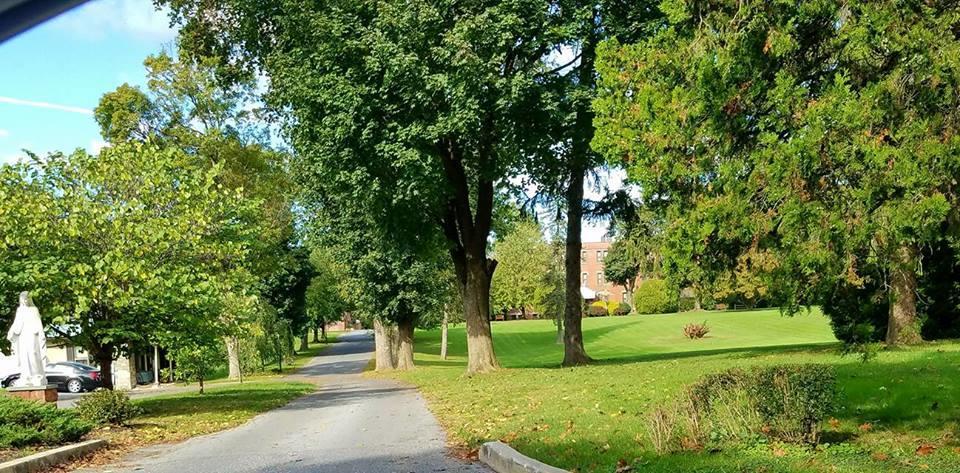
(74, 386)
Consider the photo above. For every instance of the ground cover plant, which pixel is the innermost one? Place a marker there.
(29, 424)
(896, 413)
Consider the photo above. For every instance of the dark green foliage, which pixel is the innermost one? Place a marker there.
(654, 296)
(106, 406)
(622, 309)
(794, 399)
(685, 304)
(786, 402)
(24, 423)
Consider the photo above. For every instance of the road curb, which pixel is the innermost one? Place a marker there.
(49, 458)
(503, 459)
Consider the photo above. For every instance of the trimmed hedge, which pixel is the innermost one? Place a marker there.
(24, 423)
(622, 309)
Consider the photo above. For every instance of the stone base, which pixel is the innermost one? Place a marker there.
(34, 393)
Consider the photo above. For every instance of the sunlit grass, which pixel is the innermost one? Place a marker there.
(589, 418)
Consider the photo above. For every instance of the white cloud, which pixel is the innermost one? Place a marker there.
(96, 145)
(52, 106)
(4, 133)
(137, 18)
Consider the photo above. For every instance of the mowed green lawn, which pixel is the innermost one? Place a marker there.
(898, 413)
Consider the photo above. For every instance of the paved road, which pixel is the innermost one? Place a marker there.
(350, 425)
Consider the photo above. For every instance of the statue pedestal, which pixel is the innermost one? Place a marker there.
(35, 393)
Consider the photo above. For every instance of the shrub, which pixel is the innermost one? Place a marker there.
(654, 296)
(793, 400)
(694, 331)
(612, 307)
(597, 309)
(107, 407)
(622, 309)
(25, 423)
(786, 403)
(686, 304)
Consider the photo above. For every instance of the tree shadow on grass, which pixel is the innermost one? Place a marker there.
(734, 352)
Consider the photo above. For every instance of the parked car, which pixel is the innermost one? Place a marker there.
(7, 380)
(73, 377)
(68, 376)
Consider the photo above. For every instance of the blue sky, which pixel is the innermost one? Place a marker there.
(54, 74)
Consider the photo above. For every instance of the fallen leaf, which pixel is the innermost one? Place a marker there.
(925, 449)
(880, 456)
(866, 427)
(623, 466)
(834, 423)
(779, 452)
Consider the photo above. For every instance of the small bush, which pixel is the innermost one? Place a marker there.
(793, 400)
(654, 296)
(24, 423)
(597, 309)
(786, 403)
(622, 309)
(694, 331)
(107, 407)
(686, 304)
(612, 307)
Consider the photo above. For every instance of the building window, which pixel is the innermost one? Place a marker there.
(583, 256)
(605, 254)
(600, 280)
(583, 279)
(599, 256)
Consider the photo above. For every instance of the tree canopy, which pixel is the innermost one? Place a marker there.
(821, 136)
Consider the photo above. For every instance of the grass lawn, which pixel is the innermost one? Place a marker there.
(588, 419)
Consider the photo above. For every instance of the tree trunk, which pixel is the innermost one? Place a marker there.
(381, 338)
(573, 350)
(443, 335)
(323, 333)
(305, 340)
(903, 327)
(405, 347)
(104, 358)
(233, 357)
(581, 160)
(476, 311)
(316, 335)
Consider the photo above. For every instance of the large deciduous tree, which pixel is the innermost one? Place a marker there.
(824, 133)
(420, 108)
(122, 245)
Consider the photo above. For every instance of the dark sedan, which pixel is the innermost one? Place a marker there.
(67, 376)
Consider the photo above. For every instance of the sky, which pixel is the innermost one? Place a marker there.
(54, 74)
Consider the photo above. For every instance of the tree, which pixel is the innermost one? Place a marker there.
(822, 132)
(116, 247)
(185, 107)
(416, 112)
(524, 259)
(622, 266)
(326, 297)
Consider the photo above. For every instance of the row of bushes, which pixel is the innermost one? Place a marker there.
(601, 308)
(26, 423)
(786, 403)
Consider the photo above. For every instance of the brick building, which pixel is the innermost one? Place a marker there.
(591, 272)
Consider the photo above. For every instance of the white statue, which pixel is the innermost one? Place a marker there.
(29, 344)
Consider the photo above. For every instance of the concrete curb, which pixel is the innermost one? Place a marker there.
(503, 459)
(49, 458)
